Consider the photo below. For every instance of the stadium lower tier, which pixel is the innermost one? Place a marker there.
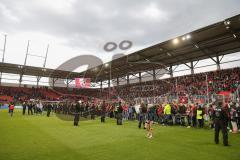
(184, 88)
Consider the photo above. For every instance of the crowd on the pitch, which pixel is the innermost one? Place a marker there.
(168, 114)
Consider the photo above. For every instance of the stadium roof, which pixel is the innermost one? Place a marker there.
(214, 40)
(36, 71)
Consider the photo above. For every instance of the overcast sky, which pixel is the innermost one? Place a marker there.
(76, 27)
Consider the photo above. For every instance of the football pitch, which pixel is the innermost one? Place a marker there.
(49, 138)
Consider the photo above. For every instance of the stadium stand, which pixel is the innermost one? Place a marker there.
(215, 82)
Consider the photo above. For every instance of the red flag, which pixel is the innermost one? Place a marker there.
(82, 82)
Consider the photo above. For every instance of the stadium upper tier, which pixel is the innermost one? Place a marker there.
(197, 84)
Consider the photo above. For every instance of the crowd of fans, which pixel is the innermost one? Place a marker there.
(185, 86)
(24, 93)
(196, 84)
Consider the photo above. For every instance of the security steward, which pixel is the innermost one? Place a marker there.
(220, 119)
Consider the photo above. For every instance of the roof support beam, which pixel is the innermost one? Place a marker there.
(117, 81)
(191, 66)
(154, 74)
(218, 63)
(68, 82)
(140, 77)
(54, 81)
(101, 85)
(171, 71)
(38, 79)
(128, 79)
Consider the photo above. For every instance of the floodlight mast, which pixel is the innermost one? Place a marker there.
(44, 65)
(33, 55)
(3, 55)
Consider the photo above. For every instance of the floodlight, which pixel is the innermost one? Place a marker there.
(188, 36)
(175, 41)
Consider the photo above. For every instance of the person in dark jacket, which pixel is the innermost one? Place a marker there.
(77, 113)
(182, 112)
(142, 115)
(103, 112)
(24, 107)
(93, 111)
(220, 118)
(30, 108)
(49, 109)
(238, 116)
(119, 115)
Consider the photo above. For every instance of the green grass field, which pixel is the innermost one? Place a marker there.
(42, 138)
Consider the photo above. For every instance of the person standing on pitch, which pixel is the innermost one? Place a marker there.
(142, 115)
(200, 113)
(11, 109)
(149, 122)
(24, 108)
(233, 117)
(220, 119)
(49, 109)
(77, 113)
(168, 113)
(148, 126)
(238, 115)
(30, 106)
(119, 115)
(103, 112)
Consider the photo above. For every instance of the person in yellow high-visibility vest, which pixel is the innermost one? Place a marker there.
(200, 114)
(167, 113)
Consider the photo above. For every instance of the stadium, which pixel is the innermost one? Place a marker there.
(167, 100)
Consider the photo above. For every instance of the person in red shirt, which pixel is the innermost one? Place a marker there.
(11, 109)
(160, 114)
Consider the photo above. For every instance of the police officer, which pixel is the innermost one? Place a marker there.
(220, 119)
